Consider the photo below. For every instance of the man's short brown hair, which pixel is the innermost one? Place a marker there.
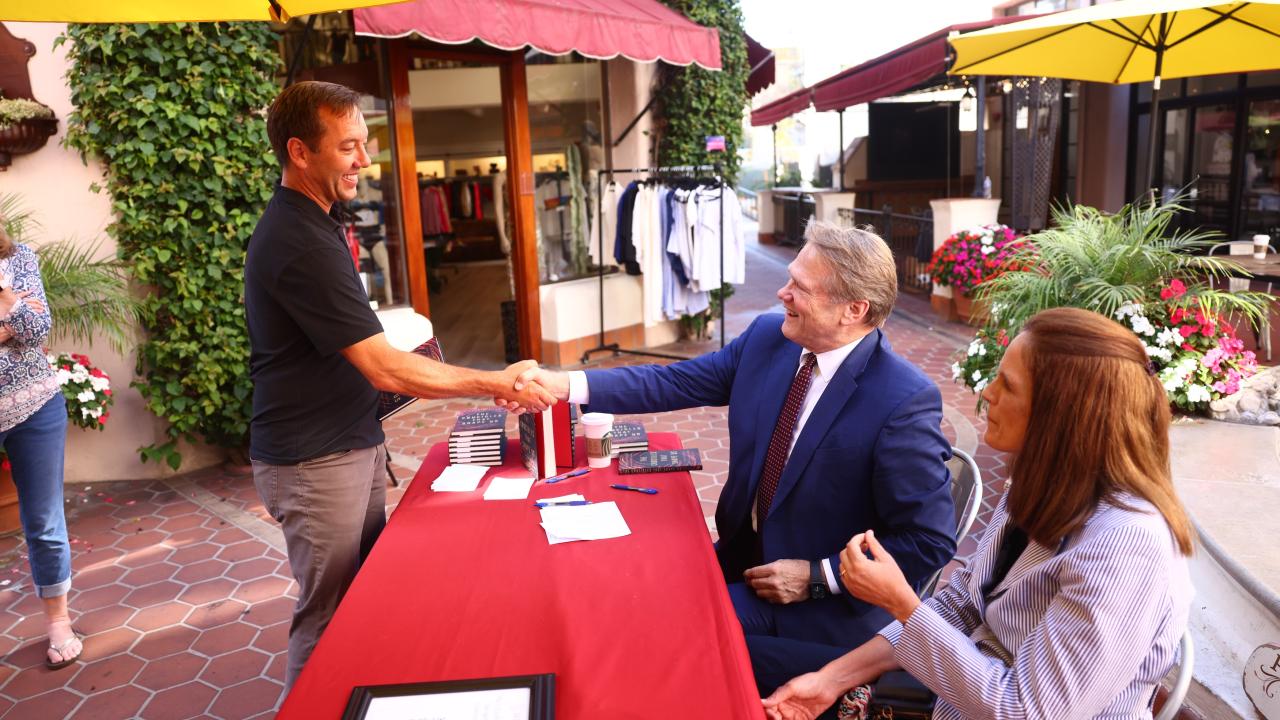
(295, 113)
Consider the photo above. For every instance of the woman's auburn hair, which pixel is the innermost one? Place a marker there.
(1099, 428)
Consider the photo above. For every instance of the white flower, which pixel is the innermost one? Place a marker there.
(1141, 325)
(988, 249)
(997, 309)
(1168, 336)
(63, 376)
(956, 371)
(1127, 309)
(99, 383)
(977, 375)
(1197, 393)
(982, 384)
(975, 348)
(987, 239)
(1158, 353)
(86, 396)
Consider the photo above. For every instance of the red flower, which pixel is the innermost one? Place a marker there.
(102, 419)
(95, 372)
(1187, 331)
(1175, 290)
(107, 393)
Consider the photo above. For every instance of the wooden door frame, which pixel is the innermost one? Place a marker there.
(520, 186)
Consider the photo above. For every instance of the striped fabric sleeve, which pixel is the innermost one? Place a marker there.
(1085, 649)
(952, 604)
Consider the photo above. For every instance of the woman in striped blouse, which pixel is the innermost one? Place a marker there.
(1076, 599)
(33, 433)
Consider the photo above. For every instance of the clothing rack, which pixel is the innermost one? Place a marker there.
(684, 171)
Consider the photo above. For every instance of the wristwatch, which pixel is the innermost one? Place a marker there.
(818, 589)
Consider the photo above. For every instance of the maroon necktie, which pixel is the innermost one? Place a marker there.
(776, 458)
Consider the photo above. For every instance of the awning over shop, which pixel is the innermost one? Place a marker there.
(639, 30)
(781, 108)
(893, 72)
(761, 62)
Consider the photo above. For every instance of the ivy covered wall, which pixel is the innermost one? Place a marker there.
(175, 114)
(694, 103)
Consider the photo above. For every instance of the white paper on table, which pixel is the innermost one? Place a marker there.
(583, 522)
(496, 704)
(459, 478)
(509, 488)
(563, 498)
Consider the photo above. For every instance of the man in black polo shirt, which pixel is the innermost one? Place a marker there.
(319, 358)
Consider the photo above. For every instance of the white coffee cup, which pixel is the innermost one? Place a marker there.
(598, 428)
(1260, 245)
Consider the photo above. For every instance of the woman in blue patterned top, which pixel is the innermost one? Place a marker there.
(33, 433)
(1078, 595)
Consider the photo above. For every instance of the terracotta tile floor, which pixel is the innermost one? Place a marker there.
(184, 591)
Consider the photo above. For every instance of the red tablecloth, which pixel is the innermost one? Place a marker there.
(457, 587)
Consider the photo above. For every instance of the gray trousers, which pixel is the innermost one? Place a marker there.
(331, 509)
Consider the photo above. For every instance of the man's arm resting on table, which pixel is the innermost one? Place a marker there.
(394, 370)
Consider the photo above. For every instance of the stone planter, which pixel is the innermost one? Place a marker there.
(944, 306)
(9, 521)
(24, 137)
(970, 311)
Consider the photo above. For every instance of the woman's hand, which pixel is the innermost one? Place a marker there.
(6, 334)
(9, 299)
(876, 580)
(803, 698)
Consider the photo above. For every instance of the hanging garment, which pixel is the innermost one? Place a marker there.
(604, 219)
(500, 211)
(623, 248)
(706, 239)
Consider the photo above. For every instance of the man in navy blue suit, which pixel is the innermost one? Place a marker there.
(831, 434)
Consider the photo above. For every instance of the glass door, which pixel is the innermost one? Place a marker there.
(1260, 184)
(1213, 144)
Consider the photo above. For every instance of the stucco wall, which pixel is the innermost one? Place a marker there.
(55, 185)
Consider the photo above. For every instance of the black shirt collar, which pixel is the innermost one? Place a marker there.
(309, 207)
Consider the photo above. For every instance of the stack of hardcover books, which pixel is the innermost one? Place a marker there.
(479, 437)
(628, 437)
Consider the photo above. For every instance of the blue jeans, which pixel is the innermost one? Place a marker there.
(35, 447)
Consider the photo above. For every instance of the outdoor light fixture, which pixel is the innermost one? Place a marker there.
(968, 112)
(1007, 86)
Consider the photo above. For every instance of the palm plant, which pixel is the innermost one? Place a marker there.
(1092, 260)
(1131, 266)
(87, 295)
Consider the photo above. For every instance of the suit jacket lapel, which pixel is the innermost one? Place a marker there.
(773, 393)
(833, 400)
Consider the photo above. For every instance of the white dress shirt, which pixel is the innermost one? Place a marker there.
(825, 369)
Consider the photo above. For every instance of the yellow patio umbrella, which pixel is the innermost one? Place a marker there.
(130, 11)
(1129, 41)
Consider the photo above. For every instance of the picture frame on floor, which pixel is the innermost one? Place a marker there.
(523, 697)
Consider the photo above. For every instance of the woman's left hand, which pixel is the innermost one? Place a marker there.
(877, 579)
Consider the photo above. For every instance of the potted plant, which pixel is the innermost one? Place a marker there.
(970, 257)
(1129, 266)
(25, 126)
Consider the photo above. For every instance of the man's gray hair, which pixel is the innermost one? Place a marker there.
(861, 265)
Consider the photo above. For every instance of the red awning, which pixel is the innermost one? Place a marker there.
(894, 72)
(781, 108)
(761, 63)
(640, 30)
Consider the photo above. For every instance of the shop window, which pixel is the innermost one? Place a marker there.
(568, 153)
(1173, 155)
(1213, 143)
(1209, 84)
(1261, 171)
(1269, 78)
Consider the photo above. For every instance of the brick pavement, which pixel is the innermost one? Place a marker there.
(184, 591)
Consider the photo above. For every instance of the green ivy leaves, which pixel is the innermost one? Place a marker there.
(175, 113)
(696, 102)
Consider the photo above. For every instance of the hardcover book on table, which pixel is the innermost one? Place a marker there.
(565, 419)
(659, 461)
(479, 422)
(537, 442)
(628, 437)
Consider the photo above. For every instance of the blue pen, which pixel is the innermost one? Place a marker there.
(566, 476)
(562, 503)
(646, 491)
